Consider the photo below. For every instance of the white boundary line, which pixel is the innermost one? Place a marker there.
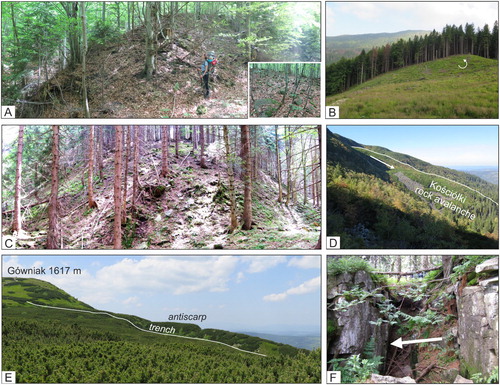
(144, 330)
(427, 173)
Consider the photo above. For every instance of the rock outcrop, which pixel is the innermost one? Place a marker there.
(352, 329)
(478, 322)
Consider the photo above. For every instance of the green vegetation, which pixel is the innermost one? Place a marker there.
(369, 205)
(355, 369)
(338, 266)
(429, 90)
(39, 342)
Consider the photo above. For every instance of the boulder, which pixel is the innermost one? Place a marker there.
(461, 380)
(489, 265)
(353, 329)
(478, 328)
(378, 379)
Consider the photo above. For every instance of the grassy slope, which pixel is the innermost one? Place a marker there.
(15, 293)
(437, 89)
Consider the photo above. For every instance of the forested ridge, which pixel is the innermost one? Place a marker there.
(103, 349)
(372, 205)
(173, 187)
(453, 40)
(142, 59)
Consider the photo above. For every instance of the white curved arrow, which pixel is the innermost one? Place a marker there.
(465, 60)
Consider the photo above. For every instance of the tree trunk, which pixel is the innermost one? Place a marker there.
(16, 222)
(164, 150)
(150, 65)
(247, 205)
(177, 139)
(117, 228)
(125, 174)
(92, 203)
(85, 101)
(53, 231)
(230, 174)
(202, 147)
(135, 184)
(278, 166)
(100, 163)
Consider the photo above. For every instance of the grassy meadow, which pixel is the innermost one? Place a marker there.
(437, 89)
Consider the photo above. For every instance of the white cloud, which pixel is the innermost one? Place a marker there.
(304, 288)
(134, 300)
(260, 264)
(306, 262)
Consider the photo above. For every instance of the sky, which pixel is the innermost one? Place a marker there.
(354, 18)
(448, 146)
(266, 294)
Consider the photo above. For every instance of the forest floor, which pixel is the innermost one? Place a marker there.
(118, 89)
(268, 97)
(188, 209)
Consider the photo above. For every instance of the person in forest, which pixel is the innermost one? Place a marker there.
(207, 71)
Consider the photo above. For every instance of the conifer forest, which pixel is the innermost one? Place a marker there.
(167, 187)
(285, 90)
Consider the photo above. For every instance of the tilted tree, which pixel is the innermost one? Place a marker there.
(230, 174)
(165, 130)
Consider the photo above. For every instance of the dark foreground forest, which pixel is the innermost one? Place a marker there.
(375, 302)
(374, 204)
(170, 187)
(47, 345)
(143, 59)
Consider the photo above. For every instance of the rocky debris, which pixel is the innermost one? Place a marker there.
(377, 378)
(461, 380)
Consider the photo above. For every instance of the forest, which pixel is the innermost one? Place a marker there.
(370, 205)
(162, 187)
(453, 40)
(105, 350)
(438, 307)
(143, 59)
(285, 90)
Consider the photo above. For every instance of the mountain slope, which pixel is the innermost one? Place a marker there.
(437, 89)
(374, 201)
(104, 349)
(349, 46)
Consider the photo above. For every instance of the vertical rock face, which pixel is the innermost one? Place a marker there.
(478, 323)
(352, 327)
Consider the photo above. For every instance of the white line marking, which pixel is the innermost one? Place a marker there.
(144, 330)
(428, 173)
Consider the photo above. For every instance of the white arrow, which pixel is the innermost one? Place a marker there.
(465, 60)
(399, 342)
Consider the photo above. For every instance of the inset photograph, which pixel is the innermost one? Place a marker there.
(162, 187)
(109, 319)
(285, 90)
(412, 60)
(413, 319)
(413, 187)
(146, 59)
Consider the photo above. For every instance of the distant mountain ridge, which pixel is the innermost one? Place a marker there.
(350, 46)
